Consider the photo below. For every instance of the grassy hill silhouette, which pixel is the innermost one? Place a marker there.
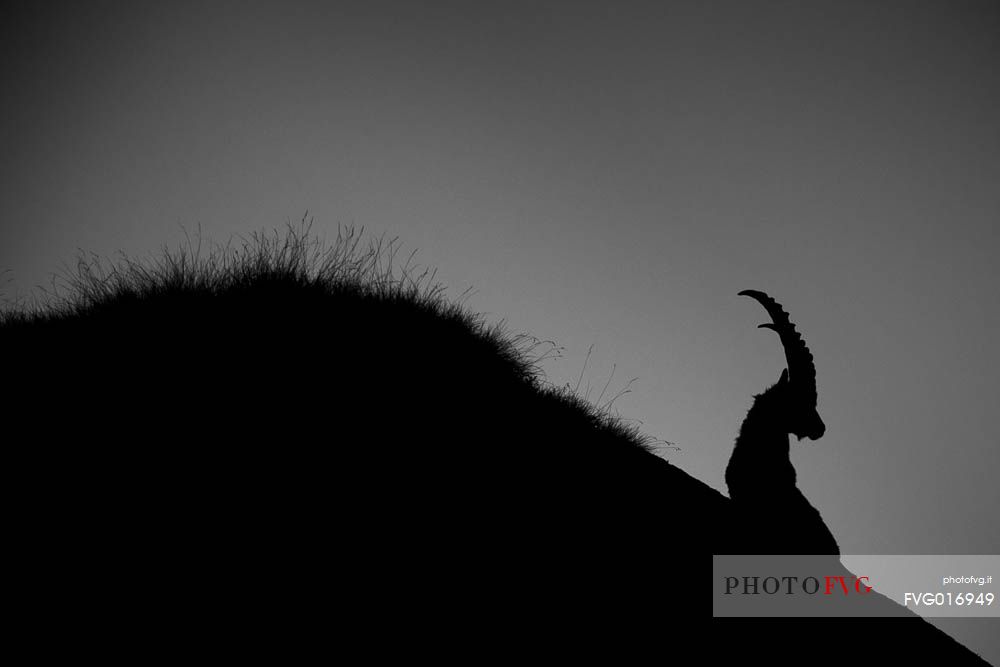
(286, 447)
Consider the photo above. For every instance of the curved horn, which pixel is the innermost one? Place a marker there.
(801, 369)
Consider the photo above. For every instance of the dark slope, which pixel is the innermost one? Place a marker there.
(279, 451)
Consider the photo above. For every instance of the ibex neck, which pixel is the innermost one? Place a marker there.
(760, 463)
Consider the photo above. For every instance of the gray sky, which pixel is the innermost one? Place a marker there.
(602, 174)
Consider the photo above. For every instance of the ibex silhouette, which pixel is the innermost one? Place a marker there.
(760, 475)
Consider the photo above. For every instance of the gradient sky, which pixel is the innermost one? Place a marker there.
(602, 174)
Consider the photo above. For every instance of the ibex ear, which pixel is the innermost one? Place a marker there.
(784, 377)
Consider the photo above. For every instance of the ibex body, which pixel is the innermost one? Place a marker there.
(760, 474)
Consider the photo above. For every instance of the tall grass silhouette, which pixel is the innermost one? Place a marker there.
(290, 446)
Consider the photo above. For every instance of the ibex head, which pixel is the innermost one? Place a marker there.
(798, 382)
